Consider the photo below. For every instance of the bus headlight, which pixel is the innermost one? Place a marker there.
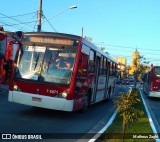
(16, 88)
(63, 94)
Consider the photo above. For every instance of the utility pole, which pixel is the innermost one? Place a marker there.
(39, 16)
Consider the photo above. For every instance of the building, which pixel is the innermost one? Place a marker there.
(135, 62)
(122, 62)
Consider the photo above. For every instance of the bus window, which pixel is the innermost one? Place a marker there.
(157, 72)
(91, 62)
(104, 67)
(111, 68)
(101, 66)
(46, 64)
(3, 45)
(82, 71)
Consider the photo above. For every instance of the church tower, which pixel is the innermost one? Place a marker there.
(135, 62)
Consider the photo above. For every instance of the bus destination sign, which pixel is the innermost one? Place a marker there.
(49, 40)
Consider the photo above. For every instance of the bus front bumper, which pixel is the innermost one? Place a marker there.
(154, 94)
(41, 101)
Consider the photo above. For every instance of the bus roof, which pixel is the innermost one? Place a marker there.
(97, 49)
(69, 36)
(52, 34)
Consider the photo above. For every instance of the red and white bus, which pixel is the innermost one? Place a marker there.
(8, 49)
(151, 82)
(61, 72)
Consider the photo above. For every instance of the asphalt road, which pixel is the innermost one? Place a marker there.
(17, 118)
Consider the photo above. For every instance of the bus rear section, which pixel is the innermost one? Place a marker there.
(151, 84)
(44, 72)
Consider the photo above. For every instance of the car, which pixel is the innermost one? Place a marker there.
(125, 82)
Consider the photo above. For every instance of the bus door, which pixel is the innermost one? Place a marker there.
(107, 78)
(95, 86)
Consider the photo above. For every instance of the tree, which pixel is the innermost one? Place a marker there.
(125, 104)
(141, 66)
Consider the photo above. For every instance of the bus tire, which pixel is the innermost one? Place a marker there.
(109, 93)
(86, 103)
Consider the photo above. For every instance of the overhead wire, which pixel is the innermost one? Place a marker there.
(127, 47)
(121, 55)
(49, 23)
(20, 15)
(12, 26)
(19, 22)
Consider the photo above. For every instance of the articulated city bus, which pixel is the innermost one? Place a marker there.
(61, 72)
(151, 82)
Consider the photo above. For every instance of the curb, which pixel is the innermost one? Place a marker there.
(149, 116)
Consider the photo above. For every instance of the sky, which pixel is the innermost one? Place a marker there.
(121, 26)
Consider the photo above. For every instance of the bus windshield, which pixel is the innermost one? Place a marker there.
(157, 72)
(46, 64)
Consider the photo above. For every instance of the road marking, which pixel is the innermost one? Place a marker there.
(149, 117)
(104, 128)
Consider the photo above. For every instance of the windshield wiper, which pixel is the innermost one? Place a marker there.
(36, 61)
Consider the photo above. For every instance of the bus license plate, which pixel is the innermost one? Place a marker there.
(36, 99)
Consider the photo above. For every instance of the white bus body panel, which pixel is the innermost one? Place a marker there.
(154, 94)
(100, 88)
(111, 83)
(100, 94)
(46, 101)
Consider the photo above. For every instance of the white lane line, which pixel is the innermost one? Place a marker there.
(104, 128)
(149, 117)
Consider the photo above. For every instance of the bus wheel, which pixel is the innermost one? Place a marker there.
(109, 93)
(86, 103)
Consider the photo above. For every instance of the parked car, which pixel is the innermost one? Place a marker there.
(125, 82)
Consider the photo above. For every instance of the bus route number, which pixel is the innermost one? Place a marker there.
(52, 91)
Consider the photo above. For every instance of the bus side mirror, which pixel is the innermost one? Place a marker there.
(18, 35)
(11, 51)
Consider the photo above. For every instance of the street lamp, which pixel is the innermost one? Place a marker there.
(40, 15)
(70, 7)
